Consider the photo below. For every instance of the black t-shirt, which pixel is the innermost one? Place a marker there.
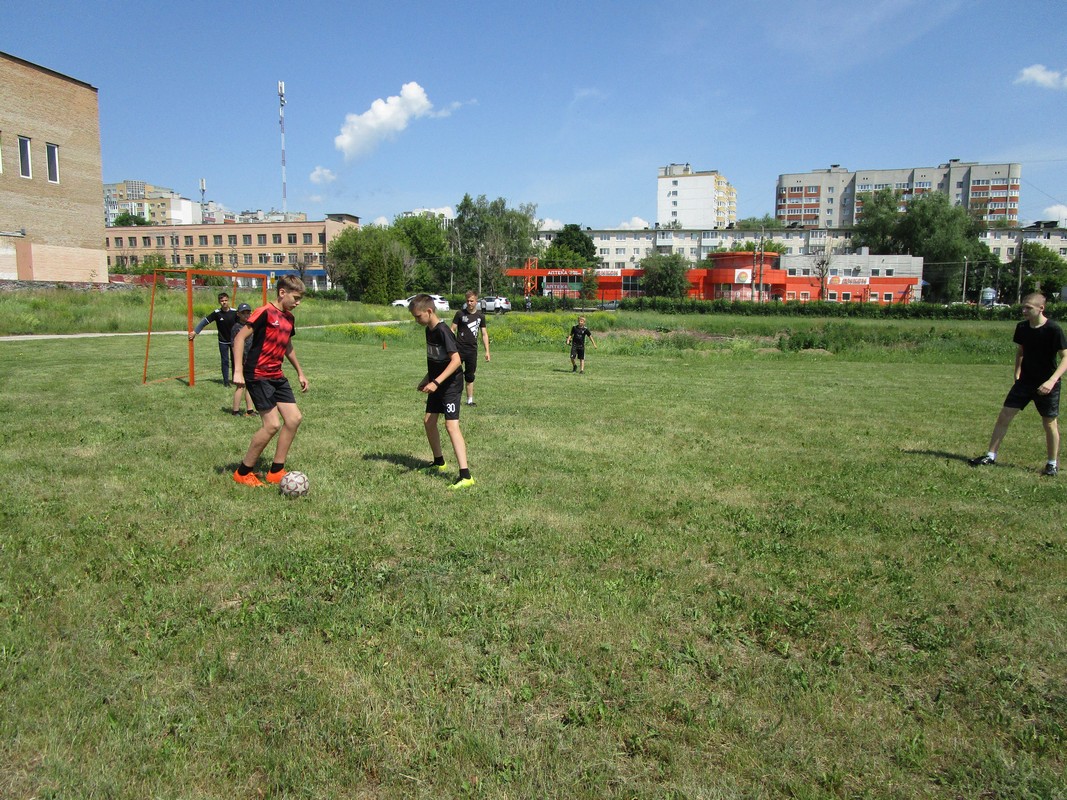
(468, 326)
(1040, 346)
(578, 334)
(224, 321)
(440, 345)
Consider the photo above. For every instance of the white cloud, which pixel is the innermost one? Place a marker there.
(315, 198)
(321, 175)
(1040, 75)
(361, 133)
(635, 224)
(549, 225)
(381, 221)
(1056, 212)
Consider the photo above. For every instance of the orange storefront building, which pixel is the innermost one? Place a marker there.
(729, 276)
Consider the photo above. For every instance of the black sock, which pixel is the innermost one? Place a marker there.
(464, 474)
(276, 467)
(243, 470)
(438, 461)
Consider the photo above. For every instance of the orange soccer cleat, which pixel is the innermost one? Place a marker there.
(276, 477)
(247, 480)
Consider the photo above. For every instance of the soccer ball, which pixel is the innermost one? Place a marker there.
(295, 484)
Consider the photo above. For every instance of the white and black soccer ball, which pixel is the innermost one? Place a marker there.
(295, 484)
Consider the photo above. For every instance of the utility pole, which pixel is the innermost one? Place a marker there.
(203, 189)
(281, 122)
(963, 297)
(1022, 249)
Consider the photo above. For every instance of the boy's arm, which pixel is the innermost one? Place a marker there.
(454, 362)
(485, 339)
(239, 355)
(1018, 362)
(199, 327)
(1050, 384)
(290, 354)
(590, 335)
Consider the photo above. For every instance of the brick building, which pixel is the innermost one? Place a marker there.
(50, 176)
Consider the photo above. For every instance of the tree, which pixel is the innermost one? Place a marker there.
(876, 228)
(487, 236)
(946, 236)
(820, 267)
(126, 220)
(590, 284)
(427, 269)
(665, 276)
(767, 246)
(1043, 270)
(369, 262)
(766, 222)
(577, 241)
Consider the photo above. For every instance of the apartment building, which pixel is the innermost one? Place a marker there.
(692, 199)
(274, 248)
(157, 204)
(829, 198)
(50, 176)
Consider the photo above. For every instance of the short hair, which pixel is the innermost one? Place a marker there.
(291, 283)
(471, 293)
(1036, 299)
(421, 302)
(222, 295)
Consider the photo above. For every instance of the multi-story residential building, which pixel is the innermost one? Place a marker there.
(275, 248)
(157, 204)
(689, 199)
(1005, 243)
(50, 176)
(829, 198)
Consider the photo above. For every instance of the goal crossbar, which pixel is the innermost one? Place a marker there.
(189, 273)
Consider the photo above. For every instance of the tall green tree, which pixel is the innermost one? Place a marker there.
(590, 284)
(665, 275)
(876, 228)
(488, 237)
(1043, 271)
(577, 241)
(370, 263)
(766, 222)
(427, 269)
(946, 236)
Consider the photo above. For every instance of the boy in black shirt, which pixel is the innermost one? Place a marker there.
(443, 386)
(224, 317)
(576, 340)
(466, 324)
(1037, 377)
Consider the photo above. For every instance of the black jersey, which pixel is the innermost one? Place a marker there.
(1040, 346)
(440, 345)
(224, 322)
(468, 326)
(579, 334)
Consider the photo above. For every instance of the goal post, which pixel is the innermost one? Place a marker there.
(159, 275)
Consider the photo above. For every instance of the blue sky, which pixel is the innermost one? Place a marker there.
(393, 106)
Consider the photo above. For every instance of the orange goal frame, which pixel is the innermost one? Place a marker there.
(189, 273)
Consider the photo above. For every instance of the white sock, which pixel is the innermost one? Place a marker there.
(1052, 462)
(992, 455)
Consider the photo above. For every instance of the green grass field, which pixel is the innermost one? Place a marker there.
(705, 569)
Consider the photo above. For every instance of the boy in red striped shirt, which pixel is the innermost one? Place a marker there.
(271, 327)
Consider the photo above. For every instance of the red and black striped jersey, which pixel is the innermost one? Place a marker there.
(271, 331)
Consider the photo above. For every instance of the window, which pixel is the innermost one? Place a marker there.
(805, 296)
(248, 259)
(246, 239)
(264, 258)
(217, 240)
(846, 296)
(889, 273)
(276, 238)
(307, 238)
(52, 154)
(888, 297)
(190, 259)
(25, 170)
(293, 257)
(131, 242)
(203, 258)
(279, 258)
(203, 241)
(161, 241)
(792, 271)
(118, 241)
(231, 240)
(261, 238)
(146, 241)
(218, 259)
(188, 241)
(292, 238)
(176, 259)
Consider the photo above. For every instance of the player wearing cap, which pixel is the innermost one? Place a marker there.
(243, 312)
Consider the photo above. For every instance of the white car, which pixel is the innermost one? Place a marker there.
(495, 304)
(439, 302)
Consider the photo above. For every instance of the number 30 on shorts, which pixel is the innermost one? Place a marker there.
(450, 408)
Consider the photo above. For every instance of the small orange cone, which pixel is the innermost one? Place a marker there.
(383, 344)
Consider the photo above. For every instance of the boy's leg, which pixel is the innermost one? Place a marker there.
(1004, 419)
(291, 419)
(224, 357)
(237, 399)
(433, 435)
(1052, 437)
(458, 444)
(272, 423)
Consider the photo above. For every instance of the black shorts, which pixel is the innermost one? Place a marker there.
(266, 394)
(1020, 395)
(446, 400)
(578, 352)
(469, 356)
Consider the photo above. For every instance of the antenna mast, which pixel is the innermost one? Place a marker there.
(281, 122)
